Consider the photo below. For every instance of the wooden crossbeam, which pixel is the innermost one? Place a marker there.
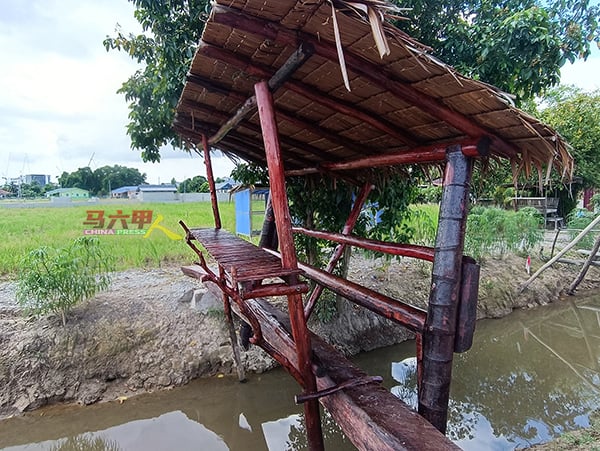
(295, 60)
(427, 154)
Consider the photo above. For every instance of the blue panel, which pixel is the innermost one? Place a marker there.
(243, 217)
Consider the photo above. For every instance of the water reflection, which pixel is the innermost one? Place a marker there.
(529, 377)
(217, 414)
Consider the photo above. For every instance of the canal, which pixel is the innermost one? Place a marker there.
(528, 378)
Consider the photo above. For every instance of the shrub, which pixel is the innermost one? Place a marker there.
(492, 231)
(577, 221)
(55, 280)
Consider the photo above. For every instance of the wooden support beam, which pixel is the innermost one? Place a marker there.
(399, 249)
(427, 154)
(407, 315)
(290, 143)
(211, 183)
(296, 59)
(371, 417)
(311, 93)
(369, 71)
(440, 330)
(341, 247)
(283, 223)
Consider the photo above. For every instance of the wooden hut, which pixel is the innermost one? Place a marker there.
(328, 87)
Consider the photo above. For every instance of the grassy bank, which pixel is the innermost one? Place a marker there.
(24, 229)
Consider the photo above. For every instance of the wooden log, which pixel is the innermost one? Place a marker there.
(371, 417)
(440, 329)
(369, 71)
(420, 155)
(211, 183)
(404, 250)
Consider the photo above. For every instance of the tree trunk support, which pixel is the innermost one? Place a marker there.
(440, 328)
(283, 224)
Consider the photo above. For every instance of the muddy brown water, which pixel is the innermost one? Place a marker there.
(528, 378)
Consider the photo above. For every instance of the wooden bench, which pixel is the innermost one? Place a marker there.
(246, 266)
(547, 206)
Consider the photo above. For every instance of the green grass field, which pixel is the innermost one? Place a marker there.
(24, 229)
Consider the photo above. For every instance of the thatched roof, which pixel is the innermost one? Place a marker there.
(401, 100)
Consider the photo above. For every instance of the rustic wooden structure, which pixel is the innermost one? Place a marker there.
(325, 88)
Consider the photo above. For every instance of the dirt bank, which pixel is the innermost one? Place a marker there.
(149, 332)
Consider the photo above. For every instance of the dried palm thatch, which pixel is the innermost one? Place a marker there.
(366, 92)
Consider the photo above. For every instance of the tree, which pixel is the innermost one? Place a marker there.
(197, 184)
(83, 178)
(103, 179)
(111, 177)
(55, 280)
(576, 116)
(516, 45)
(174, 28)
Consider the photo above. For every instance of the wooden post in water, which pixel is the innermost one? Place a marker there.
(440, 328)
(283, 223)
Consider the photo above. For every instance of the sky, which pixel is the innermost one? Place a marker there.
(59, 110)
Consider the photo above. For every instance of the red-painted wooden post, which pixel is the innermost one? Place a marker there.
(211, 182)
(283, 223)
(438, 337)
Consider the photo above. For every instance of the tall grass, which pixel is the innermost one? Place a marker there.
(25, 229)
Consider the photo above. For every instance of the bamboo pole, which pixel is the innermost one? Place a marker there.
(440, 328)
(553, 260)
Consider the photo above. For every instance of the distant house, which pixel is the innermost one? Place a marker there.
(157, 193)
(226, 186)
(146, 193)
(68, 193)
(125, 192)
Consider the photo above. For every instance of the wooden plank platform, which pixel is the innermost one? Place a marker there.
(241, 260)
